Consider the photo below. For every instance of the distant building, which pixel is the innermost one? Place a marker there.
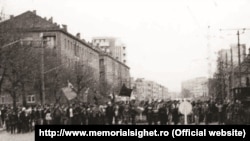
(227, 72)
(197, 87)
(224, 56)
(112, 46)
(230, 57)
(235, 53)
(150, 90)
(212, 84)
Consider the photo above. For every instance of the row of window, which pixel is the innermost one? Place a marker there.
(77, 49)
(30, 99)
(74, 47)
(99, 40)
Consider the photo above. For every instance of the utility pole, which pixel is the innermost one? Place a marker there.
(239, 53)
(43, 45)
(209, 54)
(232, 71)
(239, 57)
(42, 73)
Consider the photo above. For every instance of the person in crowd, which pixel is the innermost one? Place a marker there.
(163, 114)
(48, 117)
(109, 113)
(133, 114)
(175, 113)
(57, 115)
(84, 116)
(219, 105)
(149, 114)
(70, 113)
(13, 121)
(116, 114)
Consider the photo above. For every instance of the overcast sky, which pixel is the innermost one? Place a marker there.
(166, 39)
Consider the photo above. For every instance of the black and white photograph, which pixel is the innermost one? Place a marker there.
(123, 62)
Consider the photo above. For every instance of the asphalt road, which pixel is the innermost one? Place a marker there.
(4, 136)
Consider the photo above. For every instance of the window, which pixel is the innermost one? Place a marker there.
(31, 99)
(2, 99)
(102, 63)
(68, 45)
(68, 62)
(247, 82)
(75, 49)
(71, 46)
(50, 42)
(65, 43)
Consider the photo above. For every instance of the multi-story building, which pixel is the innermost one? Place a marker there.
(197, 87)
(227, 73)
(61, 47)
(235, 53)
(149, 90)
(113, 74)
(63, 50)
(139, 89)
(112, 46)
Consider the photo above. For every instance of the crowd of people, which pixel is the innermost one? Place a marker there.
(23, 119)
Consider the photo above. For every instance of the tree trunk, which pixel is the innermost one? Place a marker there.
(24, 96)
(1, 80)
(14, 99)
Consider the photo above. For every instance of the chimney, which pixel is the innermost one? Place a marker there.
(34, 12)
(51, 19)
(78, 35)
(11, 16)
(64, 27)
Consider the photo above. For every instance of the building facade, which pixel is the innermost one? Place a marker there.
(146, 90)
(235, 55)
(228, 71)
(197, 87)
(62, 50)
(112, 46)
(113, 74)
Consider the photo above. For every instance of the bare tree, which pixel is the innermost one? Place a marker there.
(19, 71)
(82, 78)
(18, 61)
(54, 81)
(106, 90)
(2, 69)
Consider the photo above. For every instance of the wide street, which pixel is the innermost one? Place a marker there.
(4, 136)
